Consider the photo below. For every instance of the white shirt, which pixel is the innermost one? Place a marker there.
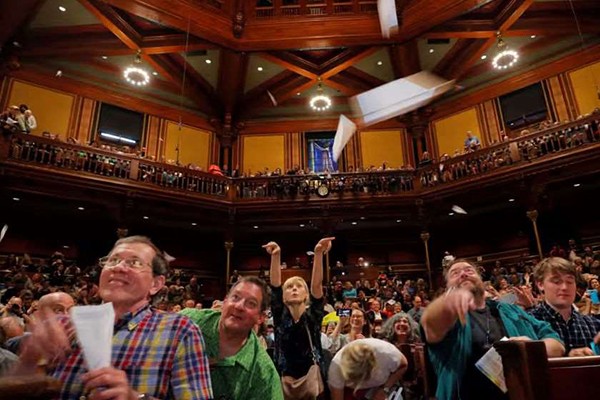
(388, 359)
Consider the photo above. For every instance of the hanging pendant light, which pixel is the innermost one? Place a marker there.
(320, 102)
(505, 58)
(135, 74)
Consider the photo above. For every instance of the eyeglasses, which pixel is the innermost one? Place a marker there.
(134, 264)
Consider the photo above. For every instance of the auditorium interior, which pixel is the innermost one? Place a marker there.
(230, 85)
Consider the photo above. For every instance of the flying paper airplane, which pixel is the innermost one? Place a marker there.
(388, 19)
(273, 100)
(458, 210)
(345, 129)
(3, 232)
(398, 97)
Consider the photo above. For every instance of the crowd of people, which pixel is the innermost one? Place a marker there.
(291, 339)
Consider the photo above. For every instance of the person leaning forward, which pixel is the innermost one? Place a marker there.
(155, 355)
(239, 367)
(460, 327)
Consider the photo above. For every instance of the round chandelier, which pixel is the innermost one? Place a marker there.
(506, 57)
(320, 102)
(136, 75)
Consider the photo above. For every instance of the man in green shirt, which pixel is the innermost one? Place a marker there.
(239, 367)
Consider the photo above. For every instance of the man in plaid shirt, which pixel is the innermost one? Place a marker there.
(155, 355)
(556, 278)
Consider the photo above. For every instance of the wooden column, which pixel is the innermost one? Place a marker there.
(425, 239)
(533, 215)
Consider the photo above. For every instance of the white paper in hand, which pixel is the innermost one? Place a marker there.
(388, 19)
(491, 366)
(94, 326)
(345, 129)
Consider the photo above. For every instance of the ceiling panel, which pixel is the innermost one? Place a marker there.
(430, 59)
(254, 77)
(50, 16)
(208, 70)
(371, 66)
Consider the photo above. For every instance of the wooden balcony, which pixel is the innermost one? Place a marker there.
(311, 8)
(573, 143)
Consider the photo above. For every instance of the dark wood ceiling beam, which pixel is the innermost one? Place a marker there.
(282, 92)
(469, 51)
(405, 58)
(173, 43)
(524, 51)
(419, 18)
(346, 85)
(197, 80)
(348, 62)
(181, 15)
(14, 15)
(462, 49)
(359, 75)
(233, 68)
(273, 82)
(289, 65)
(114, 22)
(170, 70)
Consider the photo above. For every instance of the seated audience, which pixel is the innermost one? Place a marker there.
(240, 367)
(133, 271)
(366, 368)
(556, 278)
(461, 326)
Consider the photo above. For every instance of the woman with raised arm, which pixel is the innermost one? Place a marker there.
(297, 315)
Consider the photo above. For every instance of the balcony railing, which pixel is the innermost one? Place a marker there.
(96, 163)
(266, 9)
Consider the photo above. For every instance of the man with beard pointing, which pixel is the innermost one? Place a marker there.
(461, 326)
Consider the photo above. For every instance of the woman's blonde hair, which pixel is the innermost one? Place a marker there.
(357, 363)
(294, 280)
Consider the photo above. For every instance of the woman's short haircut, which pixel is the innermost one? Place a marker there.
(160, 265)
(297, 280)
(357, 363)
(553, 265)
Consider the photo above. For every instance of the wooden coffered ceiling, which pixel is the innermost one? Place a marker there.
(212, 58)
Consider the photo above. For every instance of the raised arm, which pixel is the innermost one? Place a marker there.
(441, 315)
(275, 272)
(316, 281)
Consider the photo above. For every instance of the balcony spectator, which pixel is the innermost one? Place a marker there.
(30, 121)
(472, 142)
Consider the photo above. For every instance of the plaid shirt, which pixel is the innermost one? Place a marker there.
(577, 332)
(162, 354)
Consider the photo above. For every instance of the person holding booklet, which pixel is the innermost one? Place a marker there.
(461, 326)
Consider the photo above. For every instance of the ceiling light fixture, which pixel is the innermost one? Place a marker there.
(576, 184)
(398, 220)
(379, 62)
(155, 73)
(145, 217)
(320, 102)
(16, 199)
(81, 208)
(208, 61)
(105, 57)
(532, 36)
(431, 51)
(136, 75)
(301, 225)
(259, 69)
(483, 57)
(354, 223)
(511, 200)
(62, 9)
(194, 224)
(255, 227)
(506, 57)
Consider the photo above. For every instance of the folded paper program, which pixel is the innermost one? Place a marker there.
(398, 97)
(94, 326)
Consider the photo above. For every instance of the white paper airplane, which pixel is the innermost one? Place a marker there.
(345, 130)
(398, 97)
(388, 19)
(458, 210)
(273, 100)
(3, 232)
